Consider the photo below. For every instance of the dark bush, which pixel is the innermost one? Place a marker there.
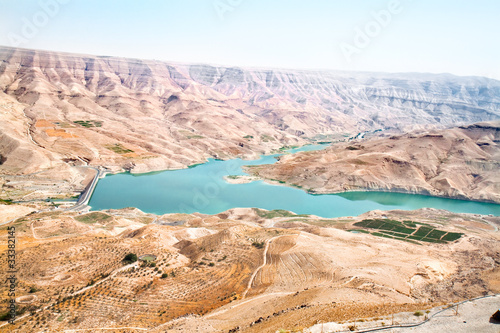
(131, 257)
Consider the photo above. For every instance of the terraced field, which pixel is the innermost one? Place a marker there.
(407, 231)
(82, 280)
(289, 268)
(242, 268)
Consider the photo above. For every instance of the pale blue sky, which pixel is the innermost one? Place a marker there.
(454, 36)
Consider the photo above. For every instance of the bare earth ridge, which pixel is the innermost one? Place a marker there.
(58, 110)
(210, 273)
(460, 163)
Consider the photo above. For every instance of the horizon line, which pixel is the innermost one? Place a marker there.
(250, 67)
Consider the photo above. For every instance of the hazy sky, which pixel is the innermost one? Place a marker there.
(455, 36)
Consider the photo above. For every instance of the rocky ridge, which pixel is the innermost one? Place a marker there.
(60, 110)
(459, 163)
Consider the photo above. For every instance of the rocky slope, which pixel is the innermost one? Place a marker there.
(211, 275)
(59, 110)
(458, 163)
(151, 115)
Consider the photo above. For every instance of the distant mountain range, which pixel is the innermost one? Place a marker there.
(149, 115)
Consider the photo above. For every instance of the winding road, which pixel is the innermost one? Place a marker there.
(260, 267)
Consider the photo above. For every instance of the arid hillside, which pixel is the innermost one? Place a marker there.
(257, 270)
(60, 110)
(151, 115)
(458, 163)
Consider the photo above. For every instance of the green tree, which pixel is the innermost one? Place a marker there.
(131, 257)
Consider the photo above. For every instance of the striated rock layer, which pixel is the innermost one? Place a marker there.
(151, 115)
(458, 163)
(59, 110)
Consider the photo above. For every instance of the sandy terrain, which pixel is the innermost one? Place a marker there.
(471, 316)
(10, 212)
(235, 269)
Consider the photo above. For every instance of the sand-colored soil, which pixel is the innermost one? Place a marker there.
(234, 269)
(10, 212)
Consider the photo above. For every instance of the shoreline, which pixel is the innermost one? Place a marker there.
(245, 179)
(248, 178)
(93, 184)
(372, 190)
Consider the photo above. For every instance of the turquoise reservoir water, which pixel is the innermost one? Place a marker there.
(203, 189)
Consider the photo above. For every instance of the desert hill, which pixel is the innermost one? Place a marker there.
(149, 115)
(242, 268)
(59, 110)
(462, 163)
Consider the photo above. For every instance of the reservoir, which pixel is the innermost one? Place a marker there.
(202, 189)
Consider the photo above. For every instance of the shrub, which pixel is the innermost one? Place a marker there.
(258, 245)
(131, 257)
(164, 275)
(418, 313)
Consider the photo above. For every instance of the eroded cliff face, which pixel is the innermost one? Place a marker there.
(458, 163)
(171, 115)
(119, 112)
(64, 109)
(365, 101)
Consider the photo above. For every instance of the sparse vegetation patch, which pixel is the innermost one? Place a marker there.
(407, 230)
(277, 213)
(258, 245)
(148, 258)
(267, 138)
(95, 217)
(88, 123)
(119, 149)
(130, 258)
(285, 148)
